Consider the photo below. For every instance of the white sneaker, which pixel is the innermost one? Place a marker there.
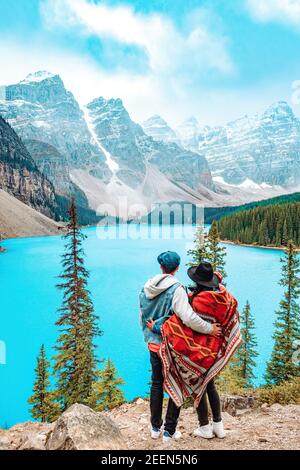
(205, 432)
(168, 438)
(155, 433)
(218, 430)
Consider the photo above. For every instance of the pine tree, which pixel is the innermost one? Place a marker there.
(107, 393)
(273, 224)
(229, 380)
(247, 353)
(44, 407)
(75, 362)
(215, 252)
(199, 252)
(281, 366)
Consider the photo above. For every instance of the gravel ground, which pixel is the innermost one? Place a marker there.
(266, 428)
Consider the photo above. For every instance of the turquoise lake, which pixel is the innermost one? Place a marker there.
(119, 268)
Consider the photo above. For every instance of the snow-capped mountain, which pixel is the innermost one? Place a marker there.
(41, 110)
(159, 129)
(132, 150)
(264, 149)
(108, 156)
(188, 133)
(100, 147)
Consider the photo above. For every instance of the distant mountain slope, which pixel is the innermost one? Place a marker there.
(20, 176)
(216, 213)
(261, 149)
(19, 220)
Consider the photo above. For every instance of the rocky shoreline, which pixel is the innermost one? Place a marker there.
(247, 425)
(248, 245)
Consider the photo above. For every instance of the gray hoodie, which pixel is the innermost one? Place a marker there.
(180, 303)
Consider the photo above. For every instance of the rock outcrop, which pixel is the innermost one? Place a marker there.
(26, 436)
(20, 177)
(81, 428)
(232, 404)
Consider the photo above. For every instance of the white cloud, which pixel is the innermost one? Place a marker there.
(282, 11)
(168, 49)
(143, 96)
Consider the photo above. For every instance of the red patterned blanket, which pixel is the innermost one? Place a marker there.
(191, 360)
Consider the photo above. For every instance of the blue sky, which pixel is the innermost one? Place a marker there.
(215, 59)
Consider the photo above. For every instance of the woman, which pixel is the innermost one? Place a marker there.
(191, 360)
(205, 430)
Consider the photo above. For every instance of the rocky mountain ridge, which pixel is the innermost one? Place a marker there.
(20, 177)
(108, 156)
(98, 144)
(262, 150)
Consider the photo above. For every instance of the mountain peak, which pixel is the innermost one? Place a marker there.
(192, 121)
(155, 119)
(159, 129)
(112, 103)
(279, 109)
(37, 77)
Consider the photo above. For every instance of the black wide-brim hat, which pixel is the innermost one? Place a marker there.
(204, 275)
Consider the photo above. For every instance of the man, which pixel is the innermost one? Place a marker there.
(162, 296)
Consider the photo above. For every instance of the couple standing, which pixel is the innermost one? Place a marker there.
(190, 339)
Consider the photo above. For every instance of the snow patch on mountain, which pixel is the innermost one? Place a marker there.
(111, 163)
(246, 184)
(37, 77)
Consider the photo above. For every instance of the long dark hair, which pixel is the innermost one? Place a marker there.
(197, 289)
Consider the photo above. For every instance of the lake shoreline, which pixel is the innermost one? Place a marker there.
(266, 247)
(226, 242)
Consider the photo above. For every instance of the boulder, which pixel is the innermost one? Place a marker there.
(34, 441)
(233, 403)
(140, 401)
(80, 428)
(5, 442)
(26, 436)
(276, 408)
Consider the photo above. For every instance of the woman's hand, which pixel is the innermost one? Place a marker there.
(150, 324)
(217, 330)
